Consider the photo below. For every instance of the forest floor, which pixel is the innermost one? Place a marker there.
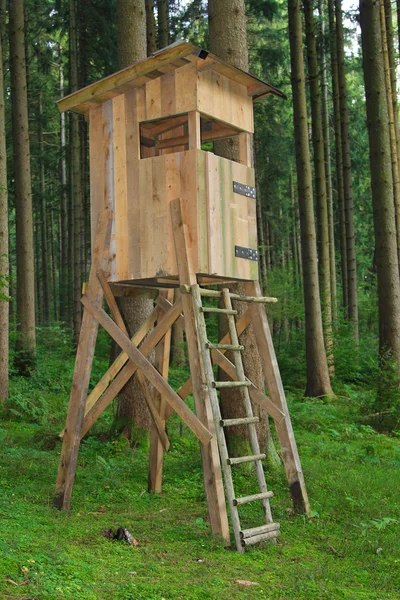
(349, 547)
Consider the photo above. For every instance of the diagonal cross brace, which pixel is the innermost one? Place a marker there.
(149, 371)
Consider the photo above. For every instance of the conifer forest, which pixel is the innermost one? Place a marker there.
(107, 381)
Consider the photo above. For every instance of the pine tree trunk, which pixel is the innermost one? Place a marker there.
(65, 279)
(25, 357)
(327, 155)
(177, 346)
(4, 257)
(320, 176)
(131, 22)
(352, 308)
(381, 181)
(338, 152)
(75, 175)
(318, 383)
(228, 40)
(150, 28)
(43, 223)
(163, 23)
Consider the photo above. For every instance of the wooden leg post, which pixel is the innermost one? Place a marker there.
(156, 449)
(83, 367)
(276, 393)
(210, 455)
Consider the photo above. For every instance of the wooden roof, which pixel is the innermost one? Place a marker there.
(163, 61)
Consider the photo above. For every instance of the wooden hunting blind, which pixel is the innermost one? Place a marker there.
(167, 212)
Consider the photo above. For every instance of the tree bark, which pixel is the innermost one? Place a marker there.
(338, 152)
(381, 181)
(163, 23)
(150, 28)
(45, 308)
(327, 155)
(228, 40)
(25, 357)
(75, 173)
(132, 406)
(318, 383)
(65, 279)
(4, 258)
(352, 307)
(320, 176)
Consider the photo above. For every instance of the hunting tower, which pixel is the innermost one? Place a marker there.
(166, 212)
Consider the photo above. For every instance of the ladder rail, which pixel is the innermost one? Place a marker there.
(209, 374)
(255, 447)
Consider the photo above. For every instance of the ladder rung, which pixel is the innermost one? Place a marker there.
(231, 384)
(243, 421)
(245, 459)
(211, 346)
(272, 535)
(248, 533)
(186, 289)
(253, 498)
(224, 311)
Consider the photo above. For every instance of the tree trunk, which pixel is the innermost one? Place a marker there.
(327, 155)
(393, 111)
(228, 40)
(338, 152)
(177, 346)
(43, 223)
(75, 174)
(163, 23)
(381, 181)
(4, 258)
(65, 279)
(352, 309)
(320, 176)
(25, 356)
(132, 406)
(150, 28)
(318, 383)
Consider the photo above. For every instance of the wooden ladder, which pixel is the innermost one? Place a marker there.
(269, 531)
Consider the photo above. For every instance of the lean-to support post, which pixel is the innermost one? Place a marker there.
(83, 368)
(290, 455)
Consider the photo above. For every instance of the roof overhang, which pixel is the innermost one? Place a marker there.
(156, 65)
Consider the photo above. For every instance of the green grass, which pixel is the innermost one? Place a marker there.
(349, 548)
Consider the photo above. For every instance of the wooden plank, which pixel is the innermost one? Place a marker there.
(96, 149)
(83, 367)
(130, 369)
(135, 100)
(276, 393)
(141, 362)
(112, 304)
(162, 365)
(194, 130)
(245, 150)
(120, 187)
(210, 454)
(112, 83)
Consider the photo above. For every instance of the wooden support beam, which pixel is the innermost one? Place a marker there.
(290, 455)
(130, 369)
(147, 368)
(212, 473)
(159, 426)
(194, 130)
(162, 365)
(83, 367)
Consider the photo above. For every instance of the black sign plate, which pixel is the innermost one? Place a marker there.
(249, 253)
(244, 190)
